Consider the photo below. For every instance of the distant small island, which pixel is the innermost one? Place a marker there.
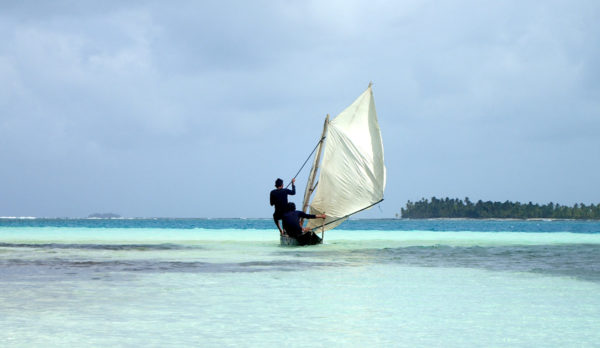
(458, 208)
(104, 216)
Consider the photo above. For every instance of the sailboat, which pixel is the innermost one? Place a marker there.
(351, 175)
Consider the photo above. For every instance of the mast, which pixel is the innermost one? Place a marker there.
(313, 171)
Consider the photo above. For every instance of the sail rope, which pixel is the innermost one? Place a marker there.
(345, 216)
(303, 164)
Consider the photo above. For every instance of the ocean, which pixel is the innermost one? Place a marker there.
(228, 282)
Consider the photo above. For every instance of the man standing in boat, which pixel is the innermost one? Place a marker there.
(291, 224)
(280, 200)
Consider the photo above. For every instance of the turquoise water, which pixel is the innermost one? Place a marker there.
(192, 282)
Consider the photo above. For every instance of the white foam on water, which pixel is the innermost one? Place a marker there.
(18, 217)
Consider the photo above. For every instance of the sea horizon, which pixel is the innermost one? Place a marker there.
(270, 218)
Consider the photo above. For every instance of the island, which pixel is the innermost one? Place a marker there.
(458, 208)
(104, 216)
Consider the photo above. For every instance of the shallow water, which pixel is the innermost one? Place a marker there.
(182, 282)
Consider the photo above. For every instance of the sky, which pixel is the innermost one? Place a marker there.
(193, 109)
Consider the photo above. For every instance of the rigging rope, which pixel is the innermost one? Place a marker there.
(303, 164)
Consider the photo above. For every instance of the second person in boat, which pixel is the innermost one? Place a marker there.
(291, 223)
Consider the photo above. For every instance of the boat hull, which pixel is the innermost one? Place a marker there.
(305, 239)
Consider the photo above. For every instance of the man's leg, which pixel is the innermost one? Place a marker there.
(276, 219)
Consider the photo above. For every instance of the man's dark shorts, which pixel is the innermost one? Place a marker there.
(277, 216)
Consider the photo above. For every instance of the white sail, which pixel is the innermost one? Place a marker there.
(352, 175)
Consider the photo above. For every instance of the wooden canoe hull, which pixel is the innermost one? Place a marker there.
(309, 238)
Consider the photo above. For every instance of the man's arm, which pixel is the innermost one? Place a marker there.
(306, 216)
(310, 216)
(293, 190)
(271, 198)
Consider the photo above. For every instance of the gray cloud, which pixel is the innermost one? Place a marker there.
(190, 109)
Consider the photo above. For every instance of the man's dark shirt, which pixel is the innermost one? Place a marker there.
(291, 222)
(279, 200)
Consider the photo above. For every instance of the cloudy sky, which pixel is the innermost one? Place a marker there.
(192, 109)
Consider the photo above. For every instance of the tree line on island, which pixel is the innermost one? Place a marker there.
(458, 208)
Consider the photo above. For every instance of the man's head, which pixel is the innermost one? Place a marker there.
(291, 206)
(278, 183)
